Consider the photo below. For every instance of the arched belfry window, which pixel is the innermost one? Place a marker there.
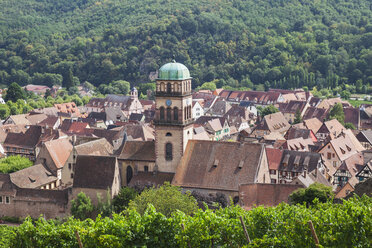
(169, 114)
(162, 113)
(175, 113)
(168, 134)
(129, 174)
(169, 87)
(168, 151)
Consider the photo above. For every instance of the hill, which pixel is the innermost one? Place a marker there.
(240, 43)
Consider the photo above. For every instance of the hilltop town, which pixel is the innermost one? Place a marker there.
(255, 147)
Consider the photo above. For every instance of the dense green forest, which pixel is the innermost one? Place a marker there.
(337, 225)
(236, 43)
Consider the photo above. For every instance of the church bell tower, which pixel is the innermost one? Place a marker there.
(173, 118)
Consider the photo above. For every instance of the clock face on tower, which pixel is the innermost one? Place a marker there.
(168, 102)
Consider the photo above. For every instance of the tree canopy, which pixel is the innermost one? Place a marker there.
(82, 207)
(316, 190)
(241, 43)
(337, 112)
(14, 163)
(166, 199)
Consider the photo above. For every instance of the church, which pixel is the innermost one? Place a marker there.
(206, 166)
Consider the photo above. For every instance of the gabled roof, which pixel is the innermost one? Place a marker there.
(292, 106)
(97, 147)
(274, 156)
(333, 127)
(274, 122)
(50, 121)
(6, 185)
(343, 147)
(138, 151)
(219, 108)
(33, 177)
(298, 161)
(59, 150)
(96, 172)
(313, 124)
(29, 139)
(298, 144)
(218, 165)
(314, 112)
(294, 133)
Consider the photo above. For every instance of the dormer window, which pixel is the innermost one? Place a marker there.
(215, 163)
(240, 166)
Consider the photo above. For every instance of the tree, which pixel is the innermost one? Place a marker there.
(14, 93)
(337, 112)
(121, 201)
(166, 199)
(298, 117)
(47, 93)
(82, 207)
(271, 109)
(208, 86)
(317, 190)
(350, 125)
(14, 163)
(4, 111)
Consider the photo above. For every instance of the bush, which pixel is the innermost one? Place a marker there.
(82, 207)
(14, 163)
(166, 200)
(317, 190)
(121, 201)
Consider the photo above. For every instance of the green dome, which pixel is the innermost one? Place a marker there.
(173, 71)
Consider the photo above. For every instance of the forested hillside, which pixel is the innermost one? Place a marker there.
(239, 43)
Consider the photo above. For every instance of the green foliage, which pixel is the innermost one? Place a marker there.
(271, 109)
(7, 234)
(208, 86)
(104, 207)
(116, 87)
(82, 207)
(14, 163)
(337, 112)
(350, 125)
(121, 201)
(315, 191)
(166, 199)
(242, 43)
(298, 117)
(337, 225)
(14, 93)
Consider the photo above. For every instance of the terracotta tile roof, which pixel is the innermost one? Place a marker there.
(219, 108)
(256, 96)
(98, 147)
(313, 124)
(313, 112)
(96, 172)
(73, 127)
(292, 106)
(19, 119)
(298, 144)
(51, 111)
(274, 122)
(50, 121)
(139, 132)
(33, 177)
(29, 139)
(218, 165)
(268, 195)
(343, 147)
(138, 151)
(298, 161)
(333, 127)
(59, 150)
(69, 108)
(35, 119)
(314, 101)
(274, 157)
(294, 133)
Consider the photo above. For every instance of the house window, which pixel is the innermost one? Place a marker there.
(1, 200)
(168, 151)
(72, 175)
(169, 88)
(69, 166)
(175, 113)
(273, 180)
(168, 134)
(7, 199)
(334, 163)
(146, 168)
(169, 114)
(161, 113)
(329, 155)
(273, 172)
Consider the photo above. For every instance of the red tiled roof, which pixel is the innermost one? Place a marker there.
(273, 157)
